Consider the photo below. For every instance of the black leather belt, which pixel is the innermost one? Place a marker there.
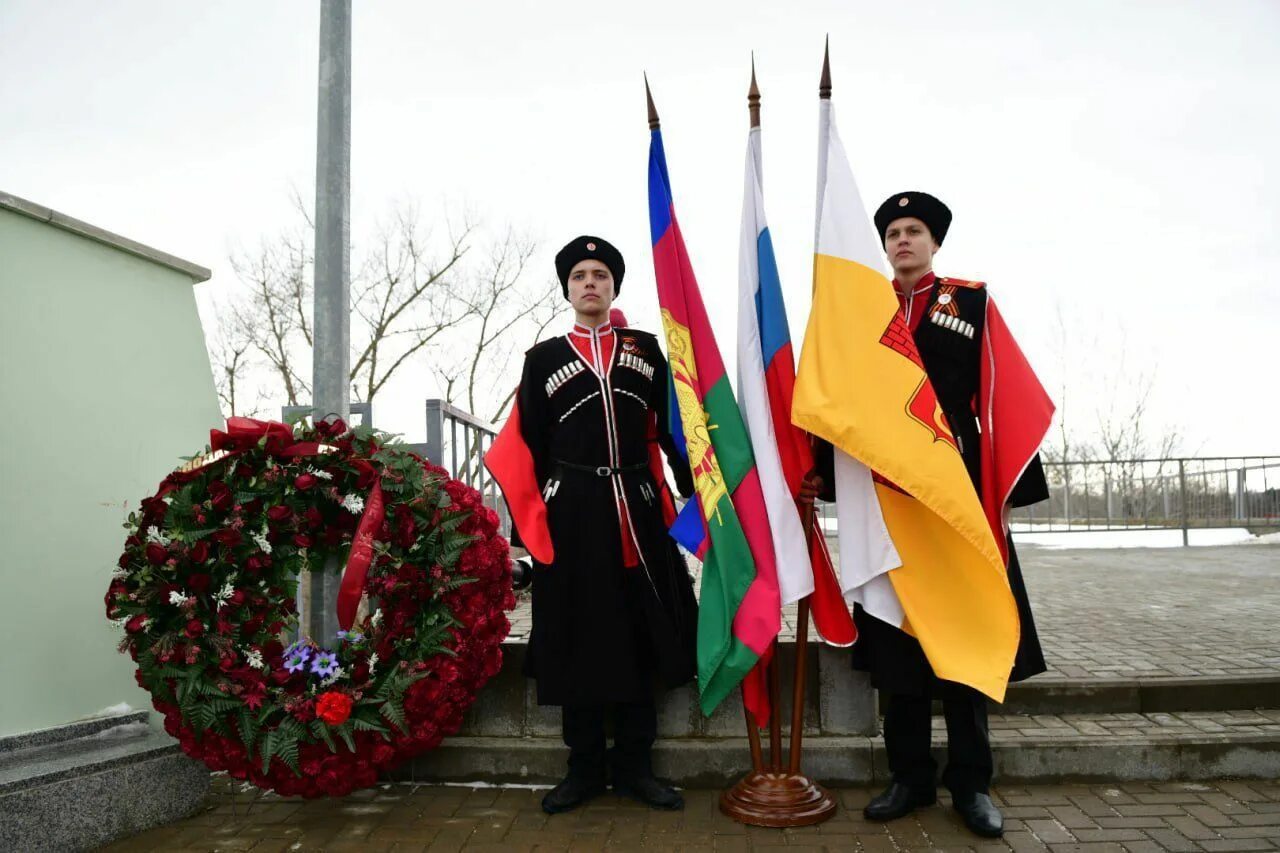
(602, 470)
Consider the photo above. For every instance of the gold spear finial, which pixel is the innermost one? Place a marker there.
(753, 95)
(653, 111)
(824, 85)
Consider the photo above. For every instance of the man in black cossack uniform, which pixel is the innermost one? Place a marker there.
(614, 613)
(947, 317)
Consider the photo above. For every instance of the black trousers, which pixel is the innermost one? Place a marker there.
(635, 727)
(907, 723)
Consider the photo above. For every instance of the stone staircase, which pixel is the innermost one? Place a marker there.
(1051, 729)
(78, 786)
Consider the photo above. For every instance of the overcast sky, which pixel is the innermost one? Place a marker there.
(1115, 163)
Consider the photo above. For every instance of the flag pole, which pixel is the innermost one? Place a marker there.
(778, 796)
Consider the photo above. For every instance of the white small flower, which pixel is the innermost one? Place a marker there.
(177, 598)
(146, 624)
(167, 500)
(254, 658)
(261, 539)
(323, 475)
(228, 590)
(376, 619)
(119, 572)
(154, 535)
(373, 662)
(354, 504)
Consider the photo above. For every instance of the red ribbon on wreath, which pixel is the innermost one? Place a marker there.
(244, 434)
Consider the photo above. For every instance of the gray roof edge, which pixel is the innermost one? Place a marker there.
(41, 213)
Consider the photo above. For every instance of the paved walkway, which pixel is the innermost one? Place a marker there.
(1132, 817)
(1142, 612)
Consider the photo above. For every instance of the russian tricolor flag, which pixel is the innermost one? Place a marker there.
(766, 384)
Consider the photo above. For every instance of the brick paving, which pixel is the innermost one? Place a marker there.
(1137, 818)
(1141, 612)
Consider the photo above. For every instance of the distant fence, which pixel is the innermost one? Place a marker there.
(1178, 493)
(1157, 494)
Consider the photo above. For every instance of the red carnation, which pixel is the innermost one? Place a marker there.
(195, 628)
(156, 553)
(333, 708)
(304, 482)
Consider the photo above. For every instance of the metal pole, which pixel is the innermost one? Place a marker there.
(1182, 489)
(331, 362)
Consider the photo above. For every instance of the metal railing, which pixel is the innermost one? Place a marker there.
(457, 440)
(1157, 494)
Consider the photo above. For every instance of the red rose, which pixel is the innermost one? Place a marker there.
(333, 708)
(199, 552)
(227, 537)
(279, 513)
(303, 540)
(198, 583)
(257, 563)
(156, 553)
(195, 628)
(360, 672)
(314, 518)
(220, 495)
(304, 482)
(134, 625)
(238, 597)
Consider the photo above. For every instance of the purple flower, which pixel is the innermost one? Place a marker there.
(296, 662)
(325, 664)
(301, 649)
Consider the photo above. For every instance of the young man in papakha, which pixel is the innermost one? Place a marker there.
(614, 615)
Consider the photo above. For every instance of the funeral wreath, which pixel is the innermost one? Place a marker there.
(205, 593)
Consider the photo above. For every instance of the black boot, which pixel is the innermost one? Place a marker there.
(979, 814)
(648, 790)
(898, 800)
(571, 793)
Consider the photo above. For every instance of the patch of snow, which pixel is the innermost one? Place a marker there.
(112, 711)
(128, 730)
(1130, 538)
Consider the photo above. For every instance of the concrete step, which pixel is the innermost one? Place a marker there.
(1047, 695)
(78, 786)
(1027, 749)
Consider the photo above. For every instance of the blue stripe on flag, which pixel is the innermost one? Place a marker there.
(771, 313)
(659, 190)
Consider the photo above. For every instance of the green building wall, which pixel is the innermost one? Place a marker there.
(106, 383)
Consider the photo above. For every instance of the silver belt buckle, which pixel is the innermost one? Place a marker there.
(604, 471)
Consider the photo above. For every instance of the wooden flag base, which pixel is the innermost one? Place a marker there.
(777, 799)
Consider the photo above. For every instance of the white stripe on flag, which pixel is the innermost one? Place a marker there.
(867, 553)
(795, 575)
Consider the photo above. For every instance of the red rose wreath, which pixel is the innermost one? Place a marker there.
(205, 591)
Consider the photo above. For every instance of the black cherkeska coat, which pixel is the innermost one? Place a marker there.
(951, 353)
(602, 632)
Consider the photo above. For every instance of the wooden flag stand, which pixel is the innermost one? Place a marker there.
(774, 794)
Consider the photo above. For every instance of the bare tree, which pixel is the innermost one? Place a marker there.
(415, 293)
(501, 312)
(404, 298)
(230, 352)
(275, 316)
